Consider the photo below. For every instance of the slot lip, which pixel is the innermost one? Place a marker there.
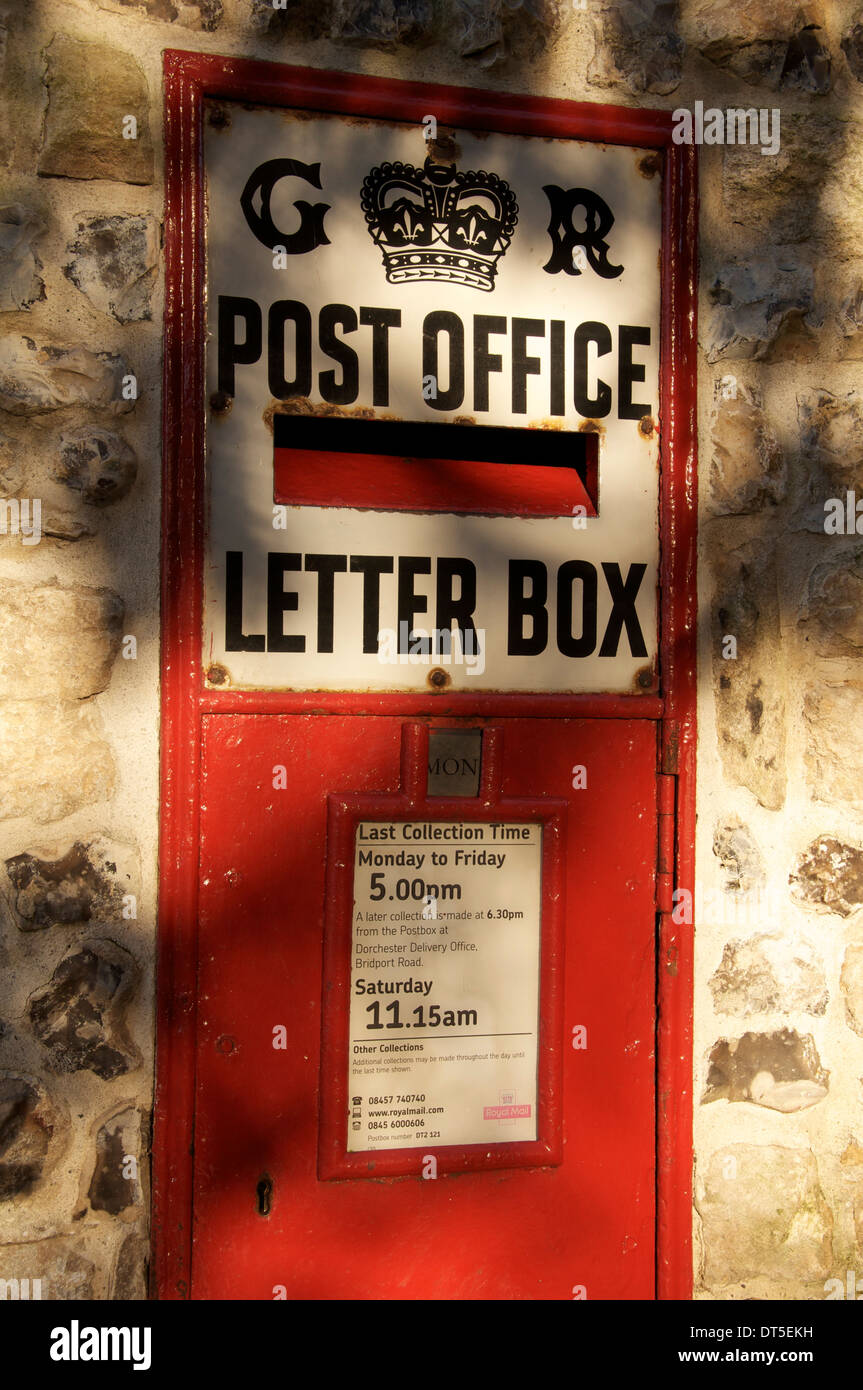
(434, 439)
(436, 467)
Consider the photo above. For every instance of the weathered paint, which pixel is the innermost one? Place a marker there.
(190, 709)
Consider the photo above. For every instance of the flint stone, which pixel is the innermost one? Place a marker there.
(747, 468)
(852, 47)
(186, 14)
(768, 974)
(118, 1138)
(130, 1276)
(735, 1063)
(762, 307)
(490, 31)
(21, 92)
(784, 1096)
(831, 434)
(638, 47)
(850, 322)
(96, 463)
(299, 20)
(54, 757)
(480, 35)
(29, 1122)
(56, 642)
(852, 1159)
(382, 21)
(91, 88)
(765, 42)
(834, 755)
(832, 615)
(851, 981)
(11, 468)
(64, 1270)
(20, 282)
(79, 1016)
(830, 873)
(34, 380)
(737, 851)
(769, 1219)
(750, 698)
(114, 263)
(807, 66)
(788, 193)
(86, 883)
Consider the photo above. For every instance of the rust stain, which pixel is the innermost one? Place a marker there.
(464, 420)
(445, 149)
(649, 164)
(218, 675)
(646, 426)
(645, 677)
(219, 117)
(591, 427)
(672, 752)
(438, 678)
(221, 402)
(301, 405)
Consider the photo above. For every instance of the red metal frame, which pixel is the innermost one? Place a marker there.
(189, 78)
(412, 803)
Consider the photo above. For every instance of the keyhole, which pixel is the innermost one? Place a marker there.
(264, 1195)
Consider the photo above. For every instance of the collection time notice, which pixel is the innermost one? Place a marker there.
(445, 969)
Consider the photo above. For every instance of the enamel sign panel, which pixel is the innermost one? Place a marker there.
(432, 435)
(444, 1000)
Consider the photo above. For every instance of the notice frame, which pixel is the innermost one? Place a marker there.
(345, 812)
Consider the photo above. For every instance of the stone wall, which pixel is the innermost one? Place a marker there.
(779, 991)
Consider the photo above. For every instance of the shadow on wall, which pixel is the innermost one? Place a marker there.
(782, 292)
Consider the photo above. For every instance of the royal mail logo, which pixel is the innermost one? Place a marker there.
(506, 1112)
(436, 224)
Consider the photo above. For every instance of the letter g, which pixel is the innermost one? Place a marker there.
(310, 232)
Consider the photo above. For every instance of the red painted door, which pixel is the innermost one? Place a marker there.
(263, 1221)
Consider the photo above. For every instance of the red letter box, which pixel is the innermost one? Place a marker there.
(428, 693)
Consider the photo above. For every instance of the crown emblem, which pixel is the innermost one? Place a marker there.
(435, 224)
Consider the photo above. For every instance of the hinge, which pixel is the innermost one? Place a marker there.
(666, 825)
(669, 747)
